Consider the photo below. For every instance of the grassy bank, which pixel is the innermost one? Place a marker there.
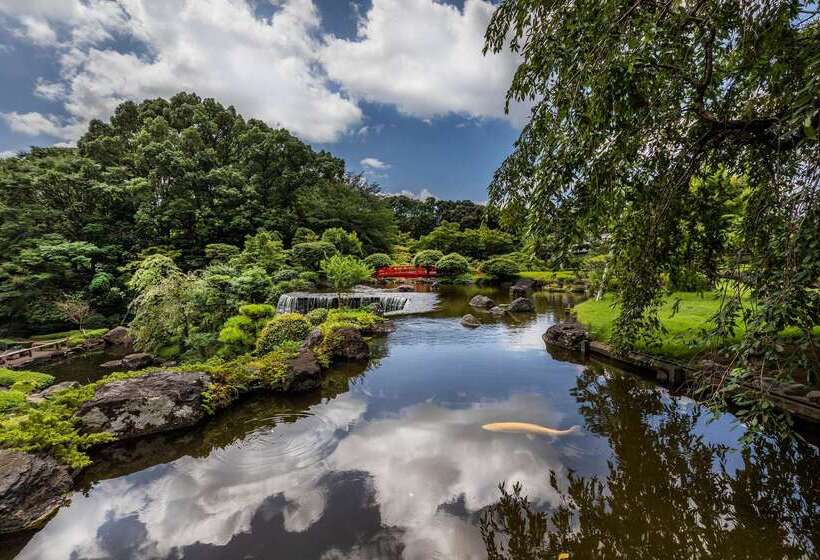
(683, 326)
(547, 276)
(75, 338)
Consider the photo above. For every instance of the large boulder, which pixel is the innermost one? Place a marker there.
(482, 302)
(118, 336)
(498, 311)
(522, 288)
(304, 372)
(344, 344)
(569, 335)
(32, 487)
(470, 321)
(151, 403)
(521, 305)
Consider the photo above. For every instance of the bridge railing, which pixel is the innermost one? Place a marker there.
(23, 352)
(405, 271)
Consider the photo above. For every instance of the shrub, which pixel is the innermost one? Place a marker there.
(309, 277)
(501, 268)
(284, 327)
(452, 265)
(309, 255)
(24, 381)
(257, 311)
(304, 235)
(378, 260)
(284, 275)
(317, 316)
(239, 333)
(346, 271)
(427, 258)
(346, 243)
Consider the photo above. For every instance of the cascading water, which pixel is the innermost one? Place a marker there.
(391, 302)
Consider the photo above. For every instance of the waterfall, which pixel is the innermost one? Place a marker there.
(391, 302)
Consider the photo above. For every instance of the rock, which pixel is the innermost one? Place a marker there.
(348, 344)
(522, 305)
(131, 361)
(518, 292)
(32, 487)
(569, 335)
(406, 288)
(156, 402)
(40, 396)
(482, 302)
(470, 321)
(813, 396)
(345, 344)
(304, 372)
(118, 336)
(498, 311)
(380, 328)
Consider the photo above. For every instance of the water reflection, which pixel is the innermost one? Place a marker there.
(670, 491)
(391, 461)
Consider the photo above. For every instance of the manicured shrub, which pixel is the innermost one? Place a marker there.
(309, 255)
(346, 243)
(427, 258)
(284, 327)
(258, 311)
(452, 265)
(317, 316)
(500, 268)
(378, 260)
(284, 275)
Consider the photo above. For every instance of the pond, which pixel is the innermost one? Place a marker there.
(389, 460)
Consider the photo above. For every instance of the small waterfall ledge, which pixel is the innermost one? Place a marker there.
(393, 303)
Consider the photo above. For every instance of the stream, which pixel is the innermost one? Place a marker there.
(390, 460)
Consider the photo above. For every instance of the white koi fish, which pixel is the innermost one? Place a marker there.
(525, 428)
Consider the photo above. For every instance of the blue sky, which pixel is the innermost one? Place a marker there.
(398, 88)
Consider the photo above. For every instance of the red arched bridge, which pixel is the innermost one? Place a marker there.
(406, 271)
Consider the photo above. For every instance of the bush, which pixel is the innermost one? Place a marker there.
(309, 255)
(500, 268)
(317, 316)
(285, 275)
(304, 235)
(24, 381)
(309, 277)
(378, 260)
(280, 329)
(239, 333)
(427, 258)
(452, 265)
(346, 243)
(346, 271)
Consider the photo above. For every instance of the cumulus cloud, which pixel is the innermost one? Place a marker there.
(374, 163)
(281, 68)
(267, 68)
(429, 74)
(423, 194)
(5, 154)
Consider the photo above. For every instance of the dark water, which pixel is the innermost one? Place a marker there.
(84, 368)
(390, 461)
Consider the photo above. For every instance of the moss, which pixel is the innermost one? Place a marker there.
(24, 381)
(75, 338)
(11, 401)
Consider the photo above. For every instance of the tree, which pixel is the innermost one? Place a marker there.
(346, 243)
(75, 309)
(345, 271)
(427, 258)
(378, 260)
(634, 102)
(452, 265)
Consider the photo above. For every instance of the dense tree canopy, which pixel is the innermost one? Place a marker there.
(637, 105)
(420, 217)
(186, 177)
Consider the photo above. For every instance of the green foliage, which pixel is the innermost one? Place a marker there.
(285, 275)
(257, 311)
(500, 268)
(310, 255)
(24, 381)
(475, 243)
(220, 252)
(346, 271)
(420, 217)
(452, 265)
(358, 318)
(11, 401)
(346, 243)
(378, 260)
(427, 257)
(317, 316)
(74, 338)
(304, 235)
(239, 333)
(280, 329)
(687, 133)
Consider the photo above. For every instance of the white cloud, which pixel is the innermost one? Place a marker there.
(425, 74)
(374, 163)
(423, 194)
(49, 90)
(267, 68)
(5, 154)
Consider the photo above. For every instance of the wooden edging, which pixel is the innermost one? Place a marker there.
(677, 374)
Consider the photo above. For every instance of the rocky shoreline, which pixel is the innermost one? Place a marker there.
(33, 486)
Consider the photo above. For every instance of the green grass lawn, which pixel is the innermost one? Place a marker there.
(549, 275)
(74, 337)
(681, 340)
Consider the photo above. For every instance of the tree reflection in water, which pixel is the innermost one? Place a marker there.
(669, 491)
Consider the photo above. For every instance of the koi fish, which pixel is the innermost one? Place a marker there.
(525, 428)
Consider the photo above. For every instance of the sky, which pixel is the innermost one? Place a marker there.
(398, 88)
